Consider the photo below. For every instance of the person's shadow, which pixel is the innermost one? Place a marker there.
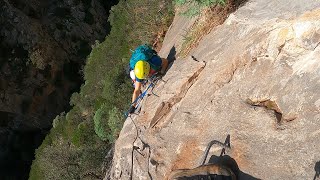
(222, 162)
(317, 169)
(227, 161)
(172, 54)
(171, 57)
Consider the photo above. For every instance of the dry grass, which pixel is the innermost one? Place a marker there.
(209, 18)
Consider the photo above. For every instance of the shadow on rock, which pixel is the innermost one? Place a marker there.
(172, 54)
(239, 3)
(317, 169)
(171, 57)
(230, 163)
(221, 167)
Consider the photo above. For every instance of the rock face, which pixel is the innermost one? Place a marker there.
(257, 79)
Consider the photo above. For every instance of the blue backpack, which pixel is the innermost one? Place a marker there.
(142, 52)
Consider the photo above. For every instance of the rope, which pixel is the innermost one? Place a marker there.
(145, 145)
(153, 79)
(133, 147)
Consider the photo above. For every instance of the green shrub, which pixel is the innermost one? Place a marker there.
(83, 135)
(101, 123)
(115, 123)
(37, 59)
(117, 89)
(37, 172)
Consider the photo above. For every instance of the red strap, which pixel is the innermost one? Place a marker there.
(152, 72)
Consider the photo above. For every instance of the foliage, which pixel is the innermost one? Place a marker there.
(100, 123)
(79, 140)
(36, 172)
(195, 6)
(37, 59)
(57, 158)
(115, 123)
(83, 135)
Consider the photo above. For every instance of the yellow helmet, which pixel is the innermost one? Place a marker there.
(142, 69)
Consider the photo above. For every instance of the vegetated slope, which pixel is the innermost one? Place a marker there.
(43, 46)
(80, 139)
(256, 78)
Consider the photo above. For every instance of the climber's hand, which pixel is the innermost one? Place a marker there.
(162, 72)
(132, 109)
(159, 75)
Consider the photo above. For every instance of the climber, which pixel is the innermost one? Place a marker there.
(144, 63)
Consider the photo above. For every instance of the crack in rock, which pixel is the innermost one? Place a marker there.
(166, 107)
(316, 46)
(270, 105)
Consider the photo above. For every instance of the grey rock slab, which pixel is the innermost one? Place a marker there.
(175, 34)
(257, 79)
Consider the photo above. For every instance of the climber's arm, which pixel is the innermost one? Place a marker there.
(136, 91)
(164, 65)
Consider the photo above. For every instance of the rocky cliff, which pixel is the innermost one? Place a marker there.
(255, 77)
